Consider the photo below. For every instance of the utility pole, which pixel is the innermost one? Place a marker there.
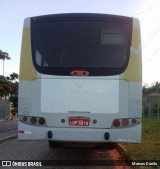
(3, 97)
(3, 67)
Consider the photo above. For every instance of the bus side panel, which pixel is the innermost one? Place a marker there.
(24, 100)
(135, 100)
(27, 70)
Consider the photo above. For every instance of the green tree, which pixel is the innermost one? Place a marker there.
(4, 55)
(12, 77)
(14, 100)
(4, 86)
(9, 85)
(155, 87)
(13, 84)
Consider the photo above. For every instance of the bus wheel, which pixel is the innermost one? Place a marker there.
(53, 144)
(106, 146)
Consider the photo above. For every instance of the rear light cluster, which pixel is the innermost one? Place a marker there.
(119, 123)
(39, 121)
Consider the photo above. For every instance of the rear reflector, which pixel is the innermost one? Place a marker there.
(21, 131)
(24, 132)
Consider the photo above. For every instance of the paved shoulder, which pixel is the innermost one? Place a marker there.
(8, 130)
(8, 124)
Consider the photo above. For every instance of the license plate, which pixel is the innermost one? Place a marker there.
(78, 122)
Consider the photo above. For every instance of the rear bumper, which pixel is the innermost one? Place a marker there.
(92, 135)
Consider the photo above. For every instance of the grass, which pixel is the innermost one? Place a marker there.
(149, 149)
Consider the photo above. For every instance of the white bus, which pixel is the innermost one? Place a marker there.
(80, 79)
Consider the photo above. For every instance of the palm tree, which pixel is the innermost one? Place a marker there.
(4, 86)
(3, 56)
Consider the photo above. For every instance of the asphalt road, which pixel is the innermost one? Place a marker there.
(13, 149)
(8, 130)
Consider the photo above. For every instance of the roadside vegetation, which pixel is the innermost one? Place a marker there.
(9, 87)
(9, 84)
(149, 149)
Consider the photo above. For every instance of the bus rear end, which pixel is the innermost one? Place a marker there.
(80, 79)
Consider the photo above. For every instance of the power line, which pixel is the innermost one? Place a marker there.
(151, 57)
(156, 30)
(146, 10)
(151, 37)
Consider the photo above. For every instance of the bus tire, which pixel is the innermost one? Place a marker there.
(106, 146)
(53, 144)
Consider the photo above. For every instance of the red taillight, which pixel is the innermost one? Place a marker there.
(116, 123)
(125, 122)
(24, 119)
(134, 121)
(121, 123)
(41, 121)
(33, 120)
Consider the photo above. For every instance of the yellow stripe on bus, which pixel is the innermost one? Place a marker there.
(133, 71)
(27, 70)
(136, 38)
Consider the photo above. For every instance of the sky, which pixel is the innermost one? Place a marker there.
(13, 12)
